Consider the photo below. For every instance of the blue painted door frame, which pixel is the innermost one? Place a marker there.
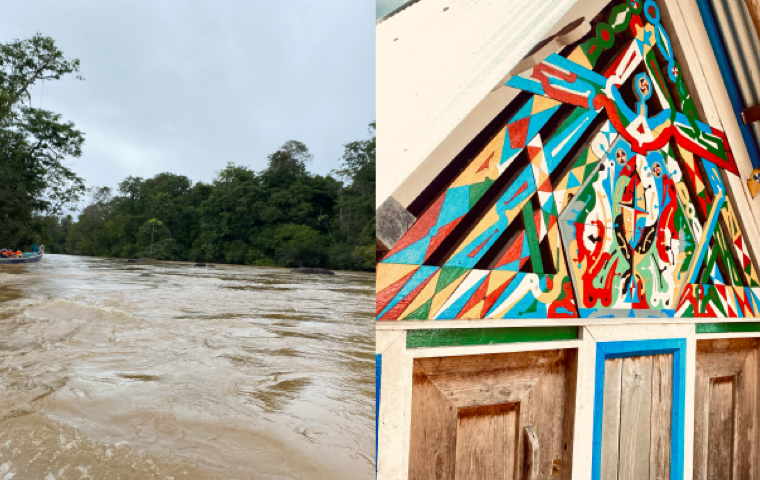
(637, 348)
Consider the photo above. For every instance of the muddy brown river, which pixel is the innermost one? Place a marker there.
(112, 370)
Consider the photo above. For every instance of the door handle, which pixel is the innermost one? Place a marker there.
(531, 451)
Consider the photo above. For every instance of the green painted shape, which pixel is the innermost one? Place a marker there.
(734, 327)
(448, 275)
(458, 337)
(421, 313)
(477, 190)
(531, 236)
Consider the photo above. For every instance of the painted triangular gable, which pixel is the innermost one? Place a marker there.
(608, 198)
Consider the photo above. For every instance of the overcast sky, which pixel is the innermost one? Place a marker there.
(187, 86)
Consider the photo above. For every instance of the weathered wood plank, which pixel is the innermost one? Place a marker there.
(486, 438)
(635, 405)
(568, 435)
(725, 427)
(544, 409)
(662, 409)
(613, 372)
(433, 432)
(745, 443)
(720, 441)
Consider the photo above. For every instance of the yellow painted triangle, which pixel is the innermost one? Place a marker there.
(493, 150)
(699, 186)
(474, 312)
(542, 103)
(389, 273)
(423, 296)
(444, 295)
(580, 58)
(497, 279)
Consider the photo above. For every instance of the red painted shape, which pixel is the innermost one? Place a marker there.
(540, 72)
(399, 308)
(605, 35)
(518, 132)
(533, 152)
(552, 222)
(546, 186)
(485, 164)
(596, 261)
(520, 190)
(476, 297)
(664, 137)
(512, 254)
(565, 303)
(441, 235)
(477, 249)
(744, 303)
(386, 295)
(666, 222)
(421, 227)
(491, 299)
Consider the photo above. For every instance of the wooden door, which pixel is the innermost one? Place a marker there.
(488, 417)
(636, 422)
(725, 409)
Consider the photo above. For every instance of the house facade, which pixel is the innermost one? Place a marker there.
(567, 277)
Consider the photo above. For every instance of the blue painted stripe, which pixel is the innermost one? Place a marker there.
(728, 78)
(677, 347)
(378, 376)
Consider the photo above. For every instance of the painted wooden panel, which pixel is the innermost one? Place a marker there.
(637, 418)
(726, 417)
(493, 416)
(603, 194)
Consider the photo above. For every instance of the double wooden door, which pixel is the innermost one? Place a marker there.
(493, 417)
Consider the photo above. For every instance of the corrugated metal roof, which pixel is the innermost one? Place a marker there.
(742, 48)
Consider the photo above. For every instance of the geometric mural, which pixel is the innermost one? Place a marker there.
(603, 195)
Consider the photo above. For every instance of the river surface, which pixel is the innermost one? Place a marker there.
(114, 370)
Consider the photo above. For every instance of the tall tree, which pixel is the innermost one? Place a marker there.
(35, 183)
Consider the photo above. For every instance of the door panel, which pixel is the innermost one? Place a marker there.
(725, 408)
(493, 416)
(636, 418)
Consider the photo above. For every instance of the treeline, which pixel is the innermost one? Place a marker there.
(282, 216)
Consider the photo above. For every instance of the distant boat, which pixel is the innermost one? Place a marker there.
(25, 259)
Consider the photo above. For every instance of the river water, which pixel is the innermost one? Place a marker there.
(113, 370)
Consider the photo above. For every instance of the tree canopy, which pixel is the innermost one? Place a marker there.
(35, 182)
(281, 216)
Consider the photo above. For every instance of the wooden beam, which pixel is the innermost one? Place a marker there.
(728, 327)
(454, 337)
(754, 11)
(751, 115)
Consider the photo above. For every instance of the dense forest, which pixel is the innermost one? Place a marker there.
(283, 215)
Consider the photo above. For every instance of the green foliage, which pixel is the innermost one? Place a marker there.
(282, 216)
(35, 184)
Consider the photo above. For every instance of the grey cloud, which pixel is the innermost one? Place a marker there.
(186, 86)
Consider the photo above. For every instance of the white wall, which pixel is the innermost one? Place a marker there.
(434, 66)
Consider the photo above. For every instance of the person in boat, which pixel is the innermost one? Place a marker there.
(35, 249)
